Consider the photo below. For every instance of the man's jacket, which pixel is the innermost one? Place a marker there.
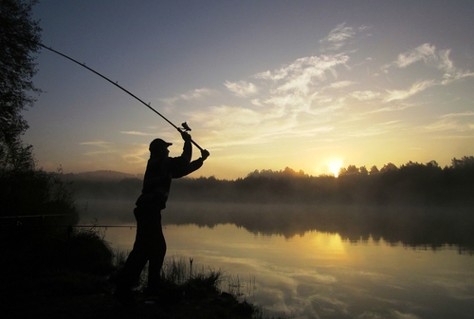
(159, 173)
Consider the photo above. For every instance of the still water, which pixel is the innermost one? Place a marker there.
(320, 275)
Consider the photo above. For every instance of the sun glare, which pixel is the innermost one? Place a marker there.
(335, 166)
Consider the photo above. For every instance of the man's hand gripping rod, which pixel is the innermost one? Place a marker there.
(184, 127)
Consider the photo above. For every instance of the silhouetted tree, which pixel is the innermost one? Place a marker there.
(363, 171)
(467, 162)
(412, 183)
(19, 39)
(389, 167)
(374, 170)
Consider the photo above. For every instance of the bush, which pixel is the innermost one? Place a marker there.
(87, 252)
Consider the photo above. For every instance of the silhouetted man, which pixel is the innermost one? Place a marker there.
(150, 245)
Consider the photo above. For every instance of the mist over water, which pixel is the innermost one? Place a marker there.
(427, 227)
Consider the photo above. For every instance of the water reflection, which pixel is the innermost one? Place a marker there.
(322, 275)
(422, 227)
(431, 227)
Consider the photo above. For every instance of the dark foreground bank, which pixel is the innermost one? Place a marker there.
(47, 275)
(177, 303)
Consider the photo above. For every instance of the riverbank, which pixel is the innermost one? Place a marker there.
(76, 295)
(47, 274)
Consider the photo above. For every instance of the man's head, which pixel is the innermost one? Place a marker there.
(159, 147)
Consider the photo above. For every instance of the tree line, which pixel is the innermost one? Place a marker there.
(410, 184)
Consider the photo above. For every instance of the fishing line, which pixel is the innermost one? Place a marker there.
(184, 127)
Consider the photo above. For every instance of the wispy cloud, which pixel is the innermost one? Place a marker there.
(241, 88)
(338, 37)
(101, 147)
(396, 95)
(136, 155)
(97, 143)
(365, 95)
(341, 36)
(377, 129)
(393, 107)
(136, 133)
(451, 73)
(189, 96)
(460, 114)
(339, 84)
(425, 52)
(458, 122)
(232, 125)
(432, 57)
(302, 74)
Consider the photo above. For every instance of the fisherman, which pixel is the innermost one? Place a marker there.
(150, 244)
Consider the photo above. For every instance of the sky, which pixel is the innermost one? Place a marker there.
(310, 85)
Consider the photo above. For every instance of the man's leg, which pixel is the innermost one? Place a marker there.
(130, 273)
(156, 255)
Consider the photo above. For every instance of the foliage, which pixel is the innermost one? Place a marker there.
(36, 197)
(87, 252)
(19, 40)
(47, 263)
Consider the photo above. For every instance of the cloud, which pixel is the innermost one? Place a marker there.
(104, 147)
(461, 114)
(445, 61)
(136, 133)
(451, 73)
(393, 107)
(442, 125)
(96, 143)
(425, 52)
(340, 84)
(430, 56)
(417, 87)
(451, 122)
(365, 95)
(136, 155)
(241, 88)
(338, 37)
(303, 73)
(229, 126)
(376, 129)
(189, 96)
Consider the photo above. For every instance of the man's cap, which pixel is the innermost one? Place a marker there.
(158, 143)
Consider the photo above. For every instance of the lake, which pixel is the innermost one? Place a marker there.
(309, 273)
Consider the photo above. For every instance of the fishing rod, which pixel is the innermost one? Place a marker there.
(184, 126)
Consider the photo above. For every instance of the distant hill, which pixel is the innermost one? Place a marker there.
(101, 175)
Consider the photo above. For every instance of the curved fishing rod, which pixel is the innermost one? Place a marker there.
(184, 127)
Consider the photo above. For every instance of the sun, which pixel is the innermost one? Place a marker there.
(335, 166)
